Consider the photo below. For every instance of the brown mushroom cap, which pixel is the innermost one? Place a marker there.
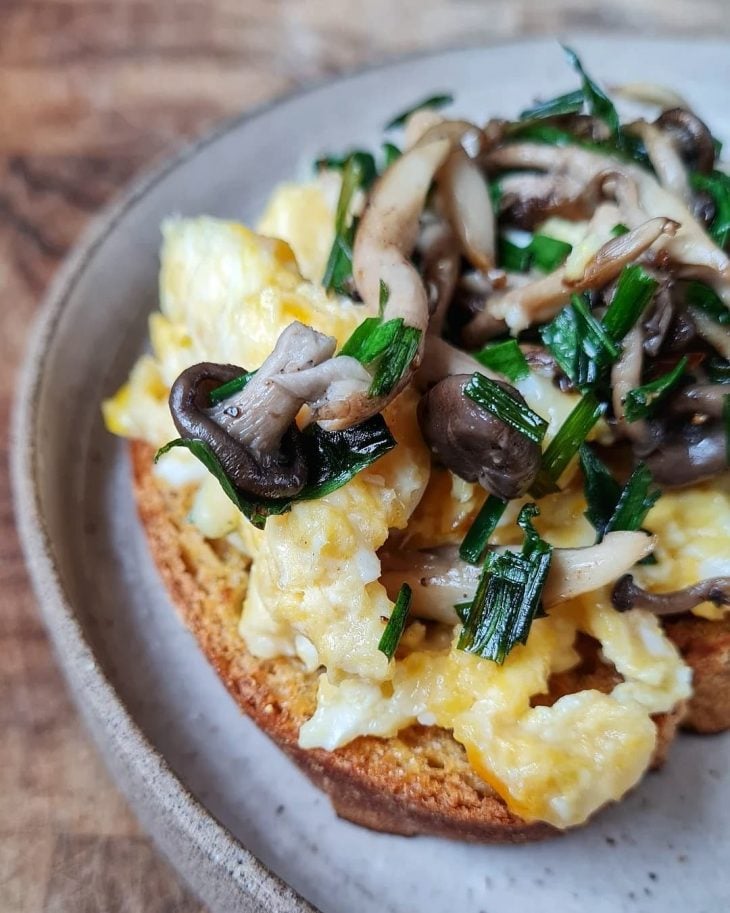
(690, 454)
(691, 136)
(473, 443)
(268, 475)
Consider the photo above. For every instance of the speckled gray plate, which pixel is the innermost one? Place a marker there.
(216, 795)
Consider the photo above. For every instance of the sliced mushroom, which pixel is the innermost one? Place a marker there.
(475, 444)
(468, 205)
(665, 157)
(528, 199)
(439, 579)
(440, 264)
(691, 137)
(700, 399)
(629, 595)
(689, 454)
(657, 320)
(281, 472)
(441, 359)
(542, 299)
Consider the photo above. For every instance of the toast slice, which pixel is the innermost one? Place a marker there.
(419, 782)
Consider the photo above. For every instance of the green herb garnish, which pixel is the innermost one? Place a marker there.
(580, 343)
(507, 599)
(543, 252)
(598, 103)
(217, 395)
(706, 299)
(634, 290)
(332, 458)
(475, 541)
(355, 174)
(717, 185)
(564, 446)
(641, 401)
(396, 623)
(619, 229)
(393, 344)
(495, 399)
(609, 506)
(504, 358)
(434, 101)
(364, 160)
(570, 103)
(390, 153)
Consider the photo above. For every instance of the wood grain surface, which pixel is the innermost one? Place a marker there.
(91, 91)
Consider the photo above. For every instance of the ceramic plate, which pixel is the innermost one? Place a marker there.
(214, 792)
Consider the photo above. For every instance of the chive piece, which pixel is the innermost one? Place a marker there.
(434, 101)
(355, 174)
(354, 346)
(390, 153)
(565, 444)
(332, 458)
(504, 358)
(718, 370)
(371, 338)
(544, 252)
(229, 388)
(495, 399)
(365, 164)
(706, 299)
(717, 185)
(479, 533)
(570, 103)
(635, 502)
(383, 298)
(549, 253)
(641, 401)
(726, 422)
(395, 360)
(512, 257)
(580, 343)
(462, 610)
(602, 491)
(507, 599)
(619, 229)
(396, 623)
(634, 291)
(599, 104)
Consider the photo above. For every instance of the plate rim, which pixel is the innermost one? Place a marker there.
(134, 762)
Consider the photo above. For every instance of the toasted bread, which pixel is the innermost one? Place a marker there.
(419, 782)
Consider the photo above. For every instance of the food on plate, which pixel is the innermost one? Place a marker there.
(434, 464)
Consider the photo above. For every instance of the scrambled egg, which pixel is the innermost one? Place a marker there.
(314, 592)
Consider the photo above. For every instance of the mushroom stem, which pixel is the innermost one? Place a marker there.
(439, 579)
(629, 595)
(258, 416)
(702, 399)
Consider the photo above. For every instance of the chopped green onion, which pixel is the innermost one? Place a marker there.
(706, 299)
(390, 153)
(383, 298)
(396, 623)
(544, 252)
(717, 185)
(485, 522)
(602, 491)
(355, 174)
(570, 103)
(599, 104)
(609, 506)
(564, 446)
(718, 370)
(229, 388)
(507, 599)
(619, 229)
(504, 358)
(580, 343)
(395, 360)
(634, 291)
(726, 423)
(434, 101)
(495, 399)
(332, 458)
(641, 401)
(365, 164)
(635, 501)
(549, 253)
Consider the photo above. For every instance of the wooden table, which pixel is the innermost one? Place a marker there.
(91, 91)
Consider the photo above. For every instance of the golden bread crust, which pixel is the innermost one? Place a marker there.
(418, 782)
